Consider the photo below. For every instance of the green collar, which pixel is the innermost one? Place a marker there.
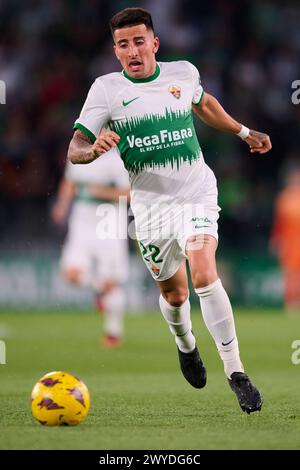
(143, 80)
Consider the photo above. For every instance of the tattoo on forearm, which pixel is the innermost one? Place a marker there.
(80, 148)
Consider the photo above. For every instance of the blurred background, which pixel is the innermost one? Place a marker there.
(248, 55)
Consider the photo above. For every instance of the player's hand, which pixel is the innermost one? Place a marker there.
(258, 142)
(105, 142)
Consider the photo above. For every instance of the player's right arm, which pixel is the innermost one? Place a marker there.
(83, 150)
(91, 139)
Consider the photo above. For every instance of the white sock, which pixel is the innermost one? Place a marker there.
(114, 304)
(179, 321)
(218, 317)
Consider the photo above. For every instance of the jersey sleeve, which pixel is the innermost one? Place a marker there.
(95, 112)
(197, 87)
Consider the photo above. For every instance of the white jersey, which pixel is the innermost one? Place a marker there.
(107, 170)
(97, 235)
(95, 214)
(158, 142)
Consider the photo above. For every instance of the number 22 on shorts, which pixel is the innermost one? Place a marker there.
(150, 253)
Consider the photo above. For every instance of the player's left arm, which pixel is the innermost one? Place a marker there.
(213, 114)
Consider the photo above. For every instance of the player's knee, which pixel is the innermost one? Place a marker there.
(204, 278)
(176, 297)
(109, 286)
(73, 275)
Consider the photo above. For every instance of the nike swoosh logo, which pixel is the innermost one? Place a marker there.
(126, 103)
(226, 344)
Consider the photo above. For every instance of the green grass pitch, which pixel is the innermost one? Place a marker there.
(139, 398)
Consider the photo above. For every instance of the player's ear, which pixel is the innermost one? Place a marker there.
(115, 49)
(155, 45)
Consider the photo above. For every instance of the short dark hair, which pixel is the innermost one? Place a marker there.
(131, 17)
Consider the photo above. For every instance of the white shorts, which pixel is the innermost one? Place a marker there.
(163, 248)
(102, 260)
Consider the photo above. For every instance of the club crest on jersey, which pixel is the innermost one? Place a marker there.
(175, 91)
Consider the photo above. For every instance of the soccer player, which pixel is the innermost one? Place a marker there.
(94, 253)
(148, 108)
(285, 239)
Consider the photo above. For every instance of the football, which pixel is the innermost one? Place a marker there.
(60, 399)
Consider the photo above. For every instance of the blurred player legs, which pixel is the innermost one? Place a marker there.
(103, 266)
(94, 254)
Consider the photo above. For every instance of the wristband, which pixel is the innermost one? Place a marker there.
(244, 132)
